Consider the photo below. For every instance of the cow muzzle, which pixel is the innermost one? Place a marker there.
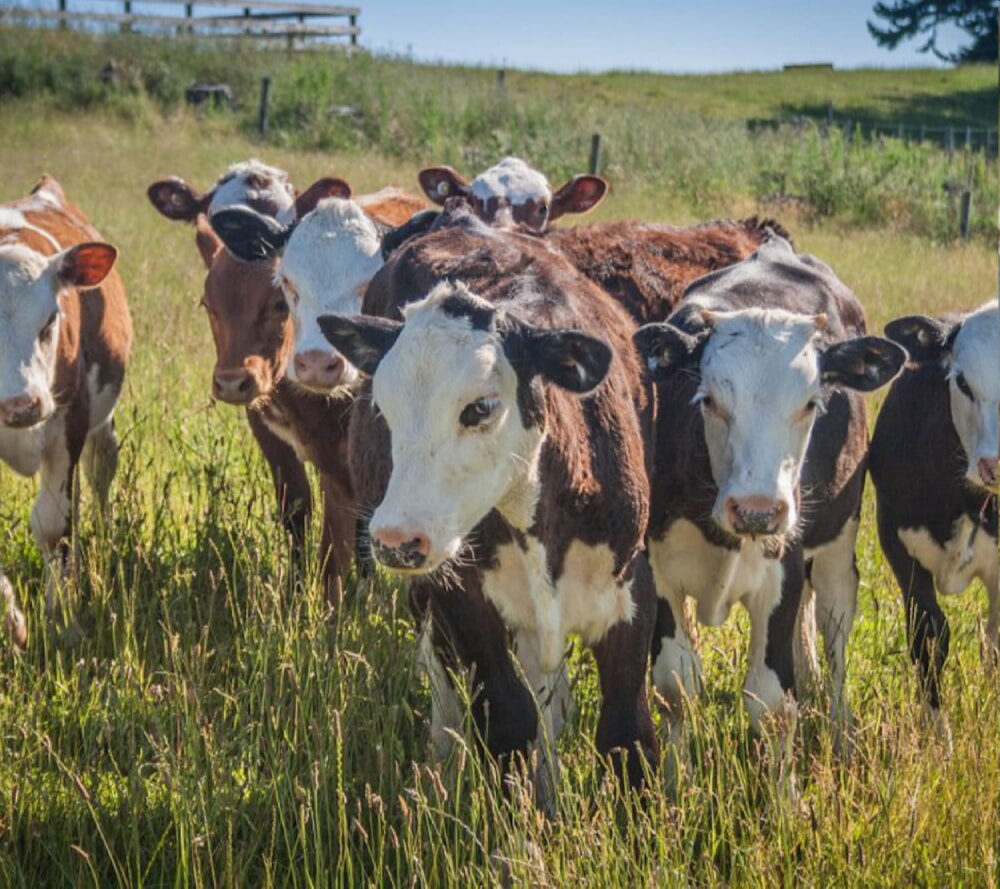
(756, 516)
(987, 467)
(237, 386)
(21, 411)
(399, 549)
(319, 370)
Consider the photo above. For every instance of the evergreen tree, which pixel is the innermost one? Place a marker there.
(906, 19)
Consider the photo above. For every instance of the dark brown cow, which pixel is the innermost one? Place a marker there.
(65, 336)
(504, 479)
(934, 467)
(251, 324)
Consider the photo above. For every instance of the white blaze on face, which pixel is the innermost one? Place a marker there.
(446, 476)
(759, 391)
(513, 182)
(975, 369)
(253, 182)
(29, 324)
(327, 264)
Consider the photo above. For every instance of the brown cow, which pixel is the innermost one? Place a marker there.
(64, 344)
(250, 320)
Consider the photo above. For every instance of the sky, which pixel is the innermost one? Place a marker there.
(678, 36)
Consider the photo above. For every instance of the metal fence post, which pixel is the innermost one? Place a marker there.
(595, 153)
(265, 97)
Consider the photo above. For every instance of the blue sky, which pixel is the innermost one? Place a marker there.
(659, 35)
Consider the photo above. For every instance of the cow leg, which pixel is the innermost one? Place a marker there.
(676, 665)
(769, 688)
(468, 635)
(338, 538)
(554, 699)
(991, 650)
(291, 484)
(17, 628)
(625, 727)
(835, 578)
(52, 516)
(808, 678)
(100, 460)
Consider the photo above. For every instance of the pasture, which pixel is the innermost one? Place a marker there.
(209, 727)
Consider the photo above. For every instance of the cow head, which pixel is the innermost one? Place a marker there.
(763, 378)
(457, 383)
(323, 265)
(31, 287)
(513, 193)
(968, 351)
(250, 322)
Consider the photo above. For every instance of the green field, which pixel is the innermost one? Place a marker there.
(210, 728)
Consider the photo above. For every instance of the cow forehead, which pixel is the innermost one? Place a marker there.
(761, 354)
(976, 350)
(25, 290)
(333, 248)
(234, 186)
(512, 179)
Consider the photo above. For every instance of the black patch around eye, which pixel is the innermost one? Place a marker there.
(963, 387)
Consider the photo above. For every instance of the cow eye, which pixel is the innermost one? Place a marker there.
(477, 412)
(281, 307)
(46, 332)
(963, 386)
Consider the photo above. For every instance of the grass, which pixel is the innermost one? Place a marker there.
(210, 727)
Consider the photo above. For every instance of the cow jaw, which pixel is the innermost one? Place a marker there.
(760, 385)
(975, 393)
(447, 475)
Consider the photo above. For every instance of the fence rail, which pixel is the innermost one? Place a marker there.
(267, 19)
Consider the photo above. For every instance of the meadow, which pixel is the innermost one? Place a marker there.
(210, 727)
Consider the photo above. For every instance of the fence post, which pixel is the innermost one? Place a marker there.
(901, 133)
(950, 141)
(849, 131)
(923, 133)
(265, 97)
(968, 138)
(501, 79)
(829, 114)
(966, 212)
(354, 34)
(595, 153)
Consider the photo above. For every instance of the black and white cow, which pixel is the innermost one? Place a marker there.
(934, 466)
(502, 445)
(759, 458)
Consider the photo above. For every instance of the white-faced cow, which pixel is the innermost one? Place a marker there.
(251, 324)
(934, 466)
(759, 462)
(501, 447)
(65, 333)
(512, 193)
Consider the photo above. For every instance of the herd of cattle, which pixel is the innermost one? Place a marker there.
(551, 431)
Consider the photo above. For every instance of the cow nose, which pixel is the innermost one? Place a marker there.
(988, 471)
(234, 386)
(21, 411)
(322, 370)
(400, 549)
(756, 515)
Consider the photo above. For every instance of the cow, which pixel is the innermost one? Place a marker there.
(759, 460)
(645, 266)
(933, 463)
(499, 448)
(513, 193)
(66, 334)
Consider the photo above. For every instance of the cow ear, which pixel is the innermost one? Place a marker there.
(579, 195)
(573, 361)
(361, 339)
(177, 200)
(86, 265)
(665, 348)
(249, 235)
(924, 338)
(864, 363)
(208, 242)
(417, 224)
(441, 183)
(318, 191)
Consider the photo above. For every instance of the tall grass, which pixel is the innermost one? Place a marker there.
(421, 114)
(208, 726)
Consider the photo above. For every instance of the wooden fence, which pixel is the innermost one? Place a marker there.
(270, 20)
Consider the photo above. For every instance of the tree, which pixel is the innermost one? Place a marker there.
(906, 19)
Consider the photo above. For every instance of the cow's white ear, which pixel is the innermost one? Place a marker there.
(864, 363)
(85, 265)
(362, 339)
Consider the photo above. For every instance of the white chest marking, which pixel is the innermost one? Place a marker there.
(965, 556)
(22, 449)
(274, 419)
(686, 564)
(586, 599)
